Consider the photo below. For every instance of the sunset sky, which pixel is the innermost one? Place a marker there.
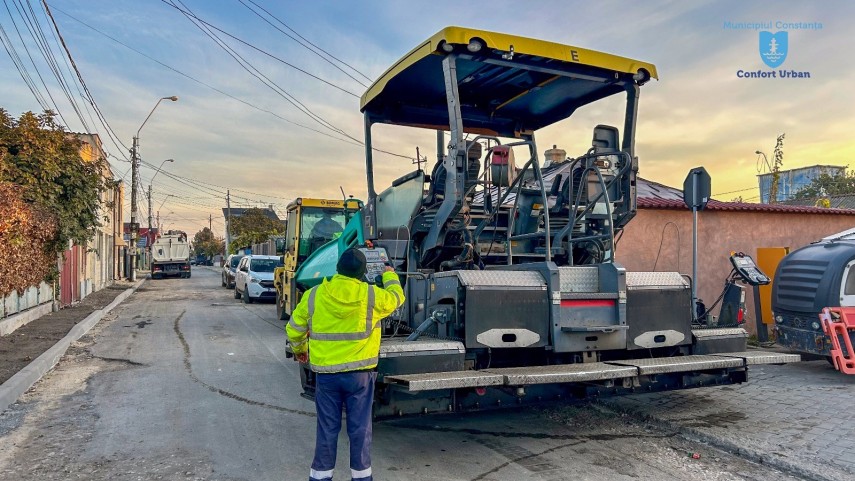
(699, 113)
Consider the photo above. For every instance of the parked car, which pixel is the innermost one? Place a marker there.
(229, 269)
(254, 278)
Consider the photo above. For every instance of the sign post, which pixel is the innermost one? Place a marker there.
(697, 189)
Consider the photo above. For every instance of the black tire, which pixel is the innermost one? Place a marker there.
(281, 314)
(223, 281)
(237, 293)
(830, 361)
(246, 298)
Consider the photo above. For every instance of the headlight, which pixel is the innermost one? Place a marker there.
(254, 280)
(815, 325)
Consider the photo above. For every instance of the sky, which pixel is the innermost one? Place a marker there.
(228, 130)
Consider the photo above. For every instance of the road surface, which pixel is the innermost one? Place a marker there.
(183, 382)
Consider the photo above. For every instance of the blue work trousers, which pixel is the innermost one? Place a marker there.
(355, 392)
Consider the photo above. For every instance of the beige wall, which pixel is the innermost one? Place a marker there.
(719, 233)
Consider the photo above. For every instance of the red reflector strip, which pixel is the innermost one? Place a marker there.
(588, 303)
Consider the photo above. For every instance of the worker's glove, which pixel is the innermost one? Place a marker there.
(302, 358)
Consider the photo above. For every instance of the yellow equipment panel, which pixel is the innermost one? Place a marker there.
(768, 259)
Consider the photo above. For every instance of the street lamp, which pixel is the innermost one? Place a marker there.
(135, 165)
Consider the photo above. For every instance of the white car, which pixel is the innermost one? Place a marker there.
(254, 278)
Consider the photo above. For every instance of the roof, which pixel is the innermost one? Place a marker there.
(842, 201)
(511, 84)
(239, 211)
(652, 195)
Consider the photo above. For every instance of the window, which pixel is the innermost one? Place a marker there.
(319, 226)
(849, 285)
(264, 265)
(291, 232)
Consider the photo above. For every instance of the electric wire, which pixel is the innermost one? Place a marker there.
(88, 94)
(303, 44)
(200, 82)
(349, 140)
(662, 241)
(34, 25)
(187, 12)
(52, 102)
(313, 45)
(252, 70)
(264, 79)
(21, 68)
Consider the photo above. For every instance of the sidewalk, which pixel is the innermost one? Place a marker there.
(27, 343)
(795, 417)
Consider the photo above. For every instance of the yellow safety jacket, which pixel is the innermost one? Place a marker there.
(338, 322)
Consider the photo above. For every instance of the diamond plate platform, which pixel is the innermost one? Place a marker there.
(760, 357)
(399, 346)
(720, 332)
(579, 279)
(445, 380)
(680, 364)
(655, 280)
(594, 371)
(497, 278)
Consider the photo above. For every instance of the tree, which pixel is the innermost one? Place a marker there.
(26, 232)
(827, 185)
(776, 169)
(37, 154)
(206, 244)
(253, 227)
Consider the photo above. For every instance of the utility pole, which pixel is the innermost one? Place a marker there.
(135, 172)
(149, 235)
(132, 275)
(210, 222)
(228, 221)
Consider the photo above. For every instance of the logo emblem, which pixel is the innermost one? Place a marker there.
(773, 48)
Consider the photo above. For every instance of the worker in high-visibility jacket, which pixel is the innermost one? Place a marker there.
(336, 330)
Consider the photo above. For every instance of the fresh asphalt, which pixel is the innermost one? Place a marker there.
(185, 382)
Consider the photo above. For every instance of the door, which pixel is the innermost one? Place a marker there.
(240, 274)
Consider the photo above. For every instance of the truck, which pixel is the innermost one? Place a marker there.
(170, 256)
(310, 224)
(812, 296)
(513, 291)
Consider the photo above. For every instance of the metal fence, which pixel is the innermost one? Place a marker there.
(31, 297)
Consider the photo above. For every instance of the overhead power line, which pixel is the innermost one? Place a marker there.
(88, 94)
(349, 140)
(187, 11)
(302, 41)
(246, 65)
(200, 82)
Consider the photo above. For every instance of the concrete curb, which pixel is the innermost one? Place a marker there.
(13, 322)
(18, 384)
(747, 452)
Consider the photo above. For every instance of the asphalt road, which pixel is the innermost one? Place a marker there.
(183, 382)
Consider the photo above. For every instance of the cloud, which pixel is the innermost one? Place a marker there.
(699, 113)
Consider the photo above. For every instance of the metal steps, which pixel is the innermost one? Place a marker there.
(585, 372)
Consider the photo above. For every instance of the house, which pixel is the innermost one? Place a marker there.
(793, 180)
(91, 267)
(659, 238)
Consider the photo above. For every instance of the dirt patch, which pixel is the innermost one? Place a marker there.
(18, 348)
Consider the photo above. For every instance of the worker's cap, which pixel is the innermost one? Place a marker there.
(352, 263)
